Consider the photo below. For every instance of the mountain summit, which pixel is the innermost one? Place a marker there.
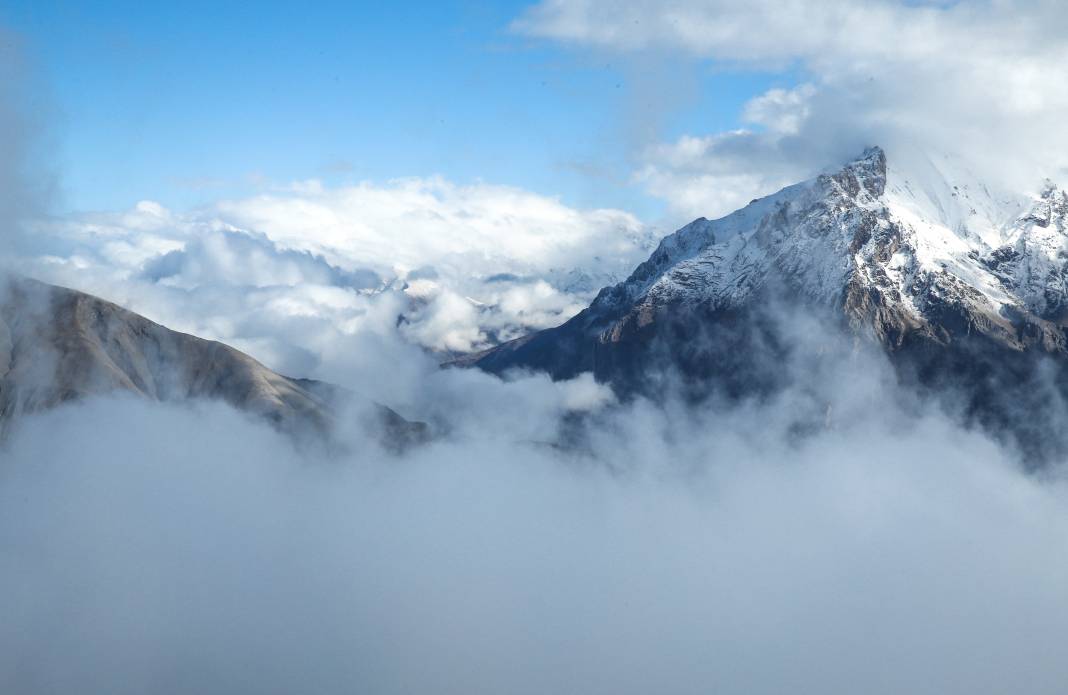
(961, 285)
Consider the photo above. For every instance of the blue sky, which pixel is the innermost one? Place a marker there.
(189, 102)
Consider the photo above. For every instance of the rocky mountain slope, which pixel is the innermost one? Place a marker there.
(962, 285)
(59, 345)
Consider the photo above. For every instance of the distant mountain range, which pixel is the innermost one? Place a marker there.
(963, 286)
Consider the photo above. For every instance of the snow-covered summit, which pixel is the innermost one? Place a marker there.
(907, 249)
(921, 232)
(964, 285)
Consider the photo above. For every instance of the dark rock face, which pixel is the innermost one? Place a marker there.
(962, 320)
(58, 345)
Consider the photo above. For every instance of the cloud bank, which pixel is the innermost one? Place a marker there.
(180, 550)
(466, 266)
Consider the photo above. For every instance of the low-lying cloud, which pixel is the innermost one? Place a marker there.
(188, 549)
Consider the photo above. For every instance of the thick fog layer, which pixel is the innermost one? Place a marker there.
(838, 539)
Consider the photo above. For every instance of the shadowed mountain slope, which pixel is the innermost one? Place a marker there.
(58, 345)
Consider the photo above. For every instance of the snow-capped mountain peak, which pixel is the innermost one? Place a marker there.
(918, 246)
(959, 282)
(908, 231)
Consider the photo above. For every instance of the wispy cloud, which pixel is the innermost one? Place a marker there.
(27, 181)
(975, 80)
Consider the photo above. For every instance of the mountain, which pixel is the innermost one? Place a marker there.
(58, 345)
(963, 286)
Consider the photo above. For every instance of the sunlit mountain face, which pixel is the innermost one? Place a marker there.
(547, 347)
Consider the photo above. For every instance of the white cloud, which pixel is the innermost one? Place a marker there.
(781, 110)
(447, 322)
(977, 80)
(466, 266)
(410, 223)
(713, 175)
(767, 32)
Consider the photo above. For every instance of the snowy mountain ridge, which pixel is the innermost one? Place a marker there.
(911, 237)
(960, 283)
